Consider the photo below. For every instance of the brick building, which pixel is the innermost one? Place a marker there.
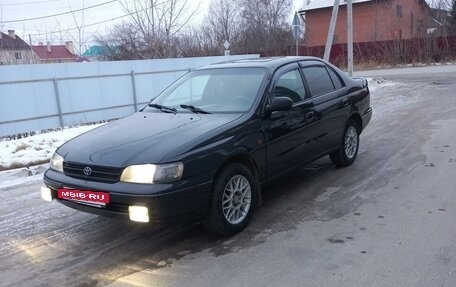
(373, 20)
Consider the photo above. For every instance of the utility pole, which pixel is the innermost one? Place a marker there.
(31, 50)
(332, 27)
(350, 37)
(296, 31)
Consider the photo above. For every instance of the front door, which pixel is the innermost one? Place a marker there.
(286, 132)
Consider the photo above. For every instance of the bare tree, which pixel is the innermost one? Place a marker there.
(266, 27)
(159, 29)
(453, 17)
(223, 23)
(81, 39)
(1, 41)
(123, 43)
(152, 29)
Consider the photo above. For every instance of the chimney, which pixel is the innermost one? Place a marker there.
(48, 47)
(69, 46)
(12, 34)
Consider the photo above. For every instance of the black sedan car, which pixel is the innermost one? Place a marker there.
(204, 147)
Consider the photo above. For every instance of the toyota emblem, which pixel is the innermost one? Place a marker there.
(87, 170)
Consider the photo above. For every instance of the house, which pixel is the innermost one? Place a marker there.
(14, 50)
(439, 22)
(373, 20)
(97, 53)
(55, 53)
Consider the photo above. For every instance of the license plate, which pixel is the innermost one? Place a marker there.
(97, 197)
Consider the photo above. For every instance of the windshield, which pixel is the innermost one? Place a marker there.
(232, 90)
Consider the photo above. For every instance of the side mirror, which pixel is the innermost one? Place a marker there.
(279, 104)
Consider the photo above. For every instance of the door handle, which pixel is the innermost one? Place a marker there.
(345, 102)
(310, 116)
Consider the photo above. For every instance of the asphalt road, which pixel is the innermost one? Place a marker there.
(388, 220)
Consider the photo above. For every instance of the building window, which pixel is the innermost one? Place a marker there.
(399, 11)
(18, 55)
(412, 22)
(420, 25)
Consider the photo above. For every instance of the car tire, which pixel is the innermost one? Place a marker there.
(348, 150)
(233, 200)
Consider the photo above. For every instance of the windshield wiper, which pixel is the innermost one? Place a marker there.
(164, 109)
(194, 109)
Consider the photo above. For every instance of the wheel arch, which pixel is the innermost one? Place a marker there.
(250, 163)
(357, 119)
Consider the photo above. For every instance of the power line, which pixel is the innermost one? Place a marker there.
(92, 24)
(27, 3)
(85, 26)
(58, 14)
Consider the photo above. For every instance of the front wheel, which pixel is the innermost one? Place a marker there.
(348, 150)
(232, 200)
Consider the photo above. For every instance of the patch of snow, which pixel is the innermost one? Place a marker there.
(19, 181)
(388, 97)
(36, 149)
(9, 177)
(377, 83)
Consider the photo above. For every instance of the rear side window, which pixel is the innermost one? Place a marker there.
(318, 80)
(335, 78)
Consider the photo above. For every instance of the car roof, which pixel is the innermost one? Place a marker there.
(270, 63)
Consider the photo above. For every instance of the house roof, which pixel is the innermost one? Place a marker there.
(95, 50)
(57, 52)
(100, 51)
(319, 4)
(6, 42)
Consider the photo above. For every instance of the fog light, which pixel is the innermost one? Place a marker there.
(46, 193)
(138, 213)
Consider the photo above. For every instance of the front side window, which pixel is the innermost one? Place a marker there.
(290, 85)
(215, 90)
(318, 80)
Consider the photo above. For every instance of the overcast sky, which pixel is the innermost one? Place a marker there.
(47, 29)
(58, 27)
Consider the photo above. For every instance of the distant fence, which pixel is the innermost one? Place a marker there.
(431, 49)
(424, 50)
(43, 96)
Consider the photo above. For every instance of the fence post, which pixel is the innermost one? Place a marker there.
(57, 99)
(135, 97)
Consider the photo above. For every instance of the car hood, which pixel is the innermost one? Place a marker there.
(140, 138)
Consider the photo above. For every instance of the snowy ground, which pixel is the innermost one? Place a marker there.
(26, 155)
(36, 149)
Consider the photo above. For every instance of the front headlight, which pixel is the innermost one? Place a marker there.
(56, 162)
(153, 173)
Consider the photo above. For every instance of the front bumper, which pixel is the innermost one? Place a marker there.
(171, 202)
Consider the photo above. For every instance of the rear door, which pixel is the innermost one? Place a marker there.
(328, 95)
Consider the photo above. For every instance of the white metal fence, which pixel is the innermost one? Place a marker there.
(37, 97)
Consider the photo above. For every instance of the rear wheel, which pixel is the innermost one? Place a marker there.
(232, 200)
(348, 150)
